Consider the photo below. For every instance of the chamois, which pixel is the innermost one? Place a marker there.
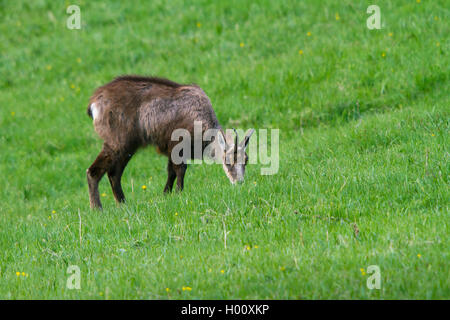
(132, 112)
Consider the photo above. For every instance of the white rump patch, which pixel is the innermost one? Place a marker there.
(94, 111)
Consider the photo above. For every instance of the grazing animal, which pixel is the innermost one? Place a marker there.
(131, 112)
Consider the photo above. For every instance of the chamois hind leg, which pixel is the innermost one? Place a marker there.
(115, 175)
(95, 173)
(171, 175)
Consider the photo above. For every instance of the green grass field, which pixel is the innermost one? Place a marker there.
(364, 152)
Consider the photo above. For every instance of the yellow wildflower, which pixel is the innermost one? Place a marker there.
(241, 44)
(144, 187)
(309, 34)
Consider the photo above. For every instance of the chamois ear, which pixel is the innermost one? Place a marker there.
(248, 134)
(221, 141)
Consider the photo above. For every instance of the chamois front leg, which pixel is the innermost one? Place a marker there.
(95, 173)
(180, 170)
(171, 175)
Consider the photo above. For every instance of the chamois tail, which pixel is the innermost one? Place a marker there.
(89, 111)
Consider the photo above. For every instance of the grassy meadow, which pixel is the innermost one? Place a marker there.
(364, 151)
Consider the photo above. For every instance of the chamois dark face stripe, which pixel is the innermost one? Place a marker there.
(154, 80)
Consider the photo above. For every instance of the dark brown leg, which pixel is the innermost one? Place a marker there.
(171, 175)
(95, 173)
(180, 170)
(115, 175)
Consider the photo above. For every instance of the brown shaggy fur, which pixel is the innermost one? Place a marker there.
(135, 111)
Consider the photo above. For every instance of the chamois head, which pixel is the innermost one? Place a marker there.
(234, 157)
